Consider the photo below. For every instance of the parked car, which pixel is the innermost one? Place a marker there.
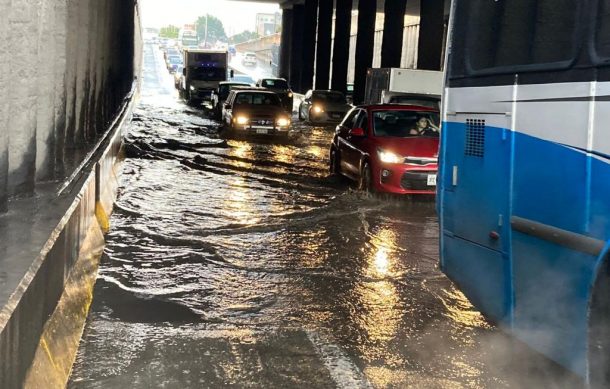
(163, 44)
(388, 148)
(255, 111)
(349, 94)
(173, 62)
(243, 78)
(171, 51)
(220, 96)
(323, 106)
(281, 88)
(178, 76)
(249, 59)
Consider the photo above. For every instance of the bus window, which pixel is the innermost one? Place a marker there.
(512, 33)
(602, 40)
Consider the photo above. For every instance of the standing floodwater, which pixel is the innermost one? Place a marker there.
(242, 264)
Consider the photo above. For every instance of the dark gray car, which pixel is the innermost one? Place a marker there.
(323, 106)
(281, 88)
(220, 96)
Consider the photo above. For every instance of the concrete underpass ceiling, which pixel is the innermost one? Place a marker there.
(412, 5)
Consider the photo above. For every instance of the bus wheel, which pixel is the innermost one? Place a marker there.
(598, 366)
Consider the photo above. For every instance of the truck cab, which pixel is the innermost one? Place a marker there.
(203, 72)
(404, 86)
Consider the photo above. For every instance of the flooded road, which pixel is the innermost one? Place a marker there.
(242, 264)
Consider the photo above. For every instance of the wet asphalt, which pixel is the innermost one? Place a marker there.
(237, 264)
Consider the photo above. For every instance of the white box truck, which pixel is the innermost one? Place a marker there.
(202, 73)
(404, 86)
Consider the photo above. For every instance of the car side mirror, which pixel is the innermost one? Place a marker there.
(358, 131)
(184, 72)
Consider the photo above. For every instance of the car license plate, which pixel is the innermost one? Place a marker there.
(431, 179)
(261, 130)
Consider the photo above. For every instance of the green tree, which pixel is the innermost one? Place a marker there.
(169, 32)
(243, 37)
(215, 29)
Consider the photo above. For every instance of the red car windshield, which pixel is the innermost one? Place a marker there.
(404, 124)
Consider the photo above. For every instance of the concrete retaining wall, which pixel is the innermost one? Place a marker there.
(261, 46)
(67, 71)
(65, 66)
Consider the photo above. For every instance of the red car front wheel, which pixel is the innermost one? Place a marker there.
(366, 178)
(335, 162)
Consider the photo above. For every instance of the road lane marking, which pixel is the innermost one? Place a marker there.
(341, 368)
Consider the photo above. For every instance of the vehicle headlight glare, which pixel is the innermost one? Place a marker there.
(283, 122)
(242, 120)
(388, 157)
(192, 88)
(289, 94)
(318, 109)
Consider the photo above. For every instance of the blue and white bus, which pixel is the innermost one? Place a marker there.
(524, 182)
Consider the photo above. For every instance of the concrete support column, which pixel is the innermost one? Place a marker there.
(4, 96)
(59, 116)
(343, 25)
(284, 70)
(46, 92)
(296, 49)
(82, 71)
(72, 21)
(24, 26)
(109, 50)
(365, 43)
(94, 43)
(431, 31)
(309, 44)
(393, 28)
(325, 30)
(100, 64)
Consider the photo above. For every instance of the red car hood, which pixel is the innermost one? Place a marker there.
(410, 147)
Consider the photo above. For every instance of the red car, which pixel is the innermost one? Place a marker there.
(388, 148)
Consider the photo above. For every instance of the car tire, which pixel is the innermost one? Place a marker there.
(366, 178)
(335, 162)
(309, 119)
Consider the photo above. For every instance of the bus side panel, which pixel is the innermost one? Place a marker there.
(477, 187)
(599, 222)
(551, 282)
(550, 182)
(474, 195)
(551, 296)
(481, 273)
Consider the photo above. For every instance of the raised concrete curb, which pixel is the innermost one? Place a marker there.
(42, 322)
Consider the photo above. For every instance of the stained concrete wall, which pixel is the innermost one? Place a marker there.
(65, 66)
(67, 70)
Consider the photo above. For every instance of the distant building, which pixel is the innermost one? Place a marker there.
(268, 24)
